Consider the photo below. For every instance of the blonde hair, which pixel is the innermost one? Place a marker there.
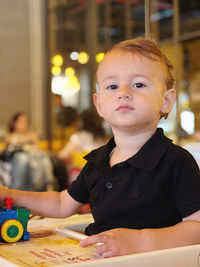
(149, 49)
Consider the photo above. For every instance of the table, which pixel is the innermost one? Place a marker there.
(43, 233)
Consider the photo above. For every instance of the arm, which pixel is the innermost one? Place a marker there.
(8, 139)
(46, 204)
(122, 241)
(67, 150)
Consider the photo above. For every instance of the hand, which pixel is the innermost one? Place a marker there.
(116, 242)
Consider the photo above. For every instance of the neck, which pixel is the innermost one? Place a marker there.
(128, 145)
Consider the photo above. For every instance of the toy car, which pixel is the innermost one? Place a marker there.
(13, 223)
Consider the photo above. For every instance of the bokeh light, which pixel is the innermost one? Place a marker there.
(74, 55)
(69, 71)
(72, 84)
(57, 60)
(187, 121)
(83, 58)
(55, 70)
(99, 57)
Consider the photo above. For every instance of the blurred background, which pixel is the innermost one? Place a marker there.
(50, 49)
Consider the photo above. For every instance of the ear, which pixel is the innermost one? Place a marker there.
(169, 97)
(96, 100)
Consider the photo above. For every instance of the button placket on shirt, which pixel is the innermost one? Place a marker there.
(117, 175)
(109, 185)
(109, 182)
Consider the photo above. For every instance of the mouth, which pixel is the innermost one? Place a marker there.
(124, 108)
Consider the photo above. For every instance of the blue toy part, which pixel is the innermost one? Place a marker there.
(13, 223)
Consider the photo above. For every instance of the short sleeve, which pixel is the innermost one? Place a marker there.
(78, 189)
(185, 183)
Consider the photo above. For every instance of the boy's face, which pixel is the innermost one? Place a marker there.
(132, 91)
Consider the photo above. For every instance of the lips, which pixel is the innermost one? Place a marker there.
(124, 108)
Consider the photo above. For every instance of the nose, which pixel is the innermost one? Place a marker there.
(124, 93)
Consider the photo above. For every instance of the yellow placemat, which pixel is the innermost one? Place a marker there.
(46, 248)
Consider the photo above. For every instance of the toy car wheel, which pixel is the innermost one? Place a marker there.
(11, 231)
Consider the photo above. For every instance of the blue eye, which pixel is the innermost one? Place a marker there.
(112, 87)
(139, 85)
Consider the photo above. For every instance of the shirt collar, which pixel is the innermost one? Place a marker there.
(101, 156)
(146, 158)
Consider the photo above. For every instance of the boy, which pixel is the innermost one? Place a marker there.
(144, 191)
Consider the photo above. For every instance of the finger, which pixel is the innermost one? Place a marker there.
(108, 254)
(88, 241)
(101, 249)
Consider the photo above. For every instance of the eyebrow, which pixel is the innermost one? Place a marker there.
(109, 78)
(135, 76)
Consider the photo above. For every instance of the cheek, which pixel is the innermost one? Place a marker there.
(105, 108)
(151, 104)
(101, 107)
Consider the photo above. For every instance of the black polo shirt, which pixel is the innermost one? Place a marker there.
(155, 188)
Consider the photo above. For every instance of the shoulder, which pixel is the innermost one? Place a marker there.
(180, 167)
(177, 152)
(10, 138)
(178, 160)
(194, 149)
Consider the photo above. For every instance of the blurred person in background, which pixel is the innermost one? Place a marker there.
(30, 168)
(90, 135)
(67, 119)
